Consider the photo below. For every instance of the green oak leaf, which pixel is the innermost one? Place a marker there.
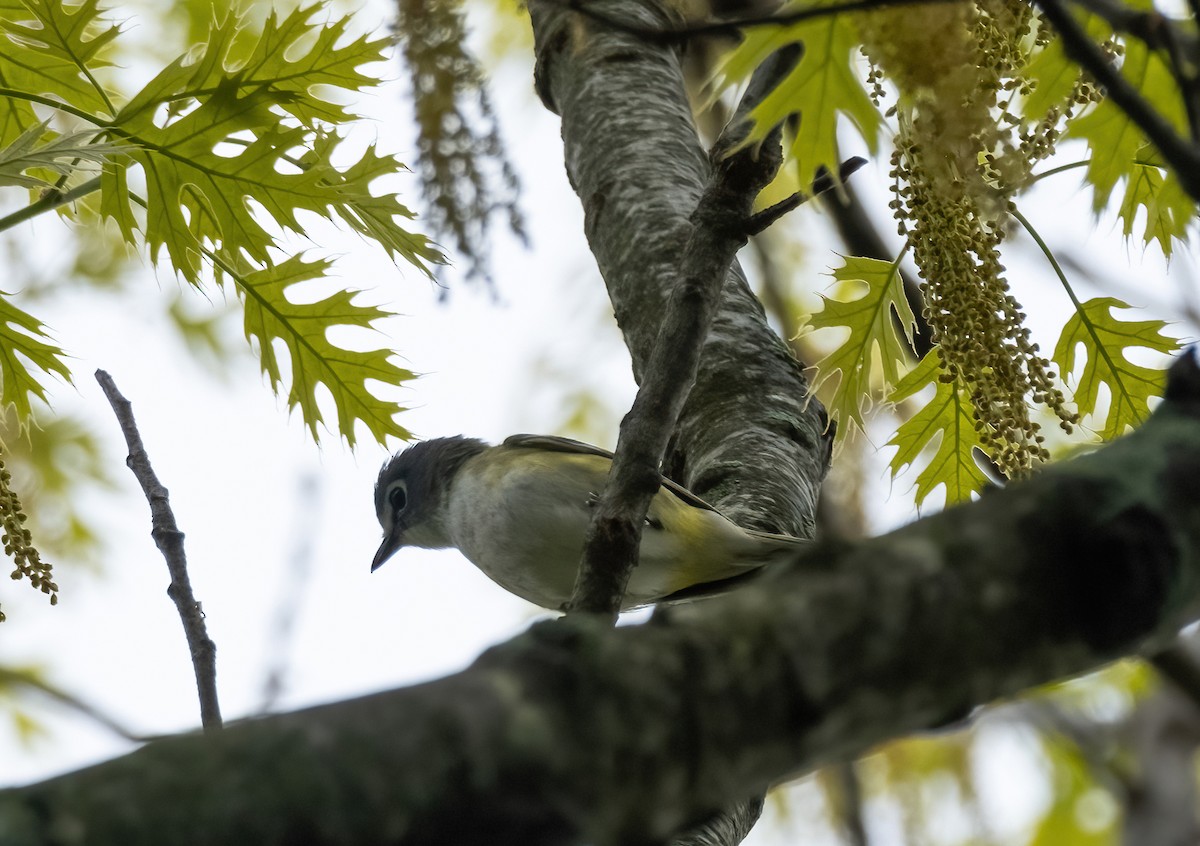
(949, 420)
(30, 164)
(303, 328)
(823, 86)
(23, 340)
(1103, 339)
(53, 49)
(874, 350)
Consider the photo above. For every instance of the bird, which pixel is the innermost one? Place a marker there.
(519, 512)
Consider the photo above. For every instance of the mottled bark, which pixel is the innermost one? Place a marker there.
(576, 732)
(748, 439)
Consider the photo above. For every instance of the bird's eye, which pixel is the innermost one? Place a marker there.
(397, 496)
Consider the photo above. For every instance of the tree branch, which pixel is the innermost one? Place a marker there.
(1182, 156)
(747, 439)
(760, 220)
(579, 732)
(719, 228)
(169, 541)
(1158, 32)
(680, 33)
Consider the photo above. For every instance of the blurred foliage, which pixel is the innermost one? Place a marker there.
(465, 174)
(52, 466)
(15, 682)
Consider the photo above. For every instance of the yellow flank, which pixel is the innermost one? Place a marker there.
(520, 513)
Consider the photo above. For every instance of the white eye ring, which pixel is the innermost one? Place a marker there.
(397, 495)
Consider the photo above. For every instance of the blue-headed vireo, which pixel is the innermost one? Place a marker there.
(519, 512)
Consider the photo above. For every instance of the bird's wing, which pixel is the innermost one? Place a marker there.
(554, 443)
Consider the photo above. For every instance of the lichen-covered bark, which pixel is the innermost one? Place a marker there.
(749, 440)
(576, 732)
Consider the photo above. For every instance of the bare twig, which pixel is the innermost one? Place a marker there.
(762, 219)
(169, 541)
(718, 232)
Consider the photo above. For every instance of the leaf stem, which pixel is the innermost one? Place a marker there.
(50, 200)
(16, 94)
(1084, 319)
(1062, 277)
(1054, 171)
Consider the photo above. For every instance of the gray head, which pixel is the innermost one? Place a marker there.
(411, 490)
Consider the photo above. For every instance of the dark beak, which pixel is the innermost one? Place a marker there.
(387, 549)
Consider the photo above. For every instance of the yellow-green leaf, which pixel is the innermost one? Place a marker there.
(1104, 338)
(222, 144)
(22, 340)
(303, 328)
(1114, 139)
(1053, 76)
(824, 85)
(37, 155)
(949, 420)
(50, 48)
(874, 349)
(1168, 209)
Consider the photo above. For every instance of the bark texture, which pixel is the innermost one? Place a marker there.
(579, 733)
(748, 440)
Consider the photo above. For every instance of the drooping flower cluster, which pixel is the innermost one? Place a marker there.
(961, 154)
(18, 543)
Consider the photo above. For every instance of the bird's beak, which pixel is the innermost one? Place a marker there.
(388, 548)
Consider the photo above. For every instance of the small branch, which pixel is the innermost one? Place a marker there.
(718, 232)
(52, 199)
(1158, 32)
(169, 540)
(731, 27)
(13, 678)
(849, 805)
(1182, 156)
(759, 221)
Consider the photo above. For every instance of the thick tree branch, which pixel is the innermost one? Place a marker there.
(577, 732)
(680, 33)
(748, 439)
(169, 541)
(719, 229)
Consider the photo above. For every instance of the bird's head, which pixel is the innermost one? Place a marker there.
(412, 490)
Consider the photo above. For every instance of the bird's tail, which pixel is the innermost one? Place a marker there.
(769, 548)
(760, 550)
